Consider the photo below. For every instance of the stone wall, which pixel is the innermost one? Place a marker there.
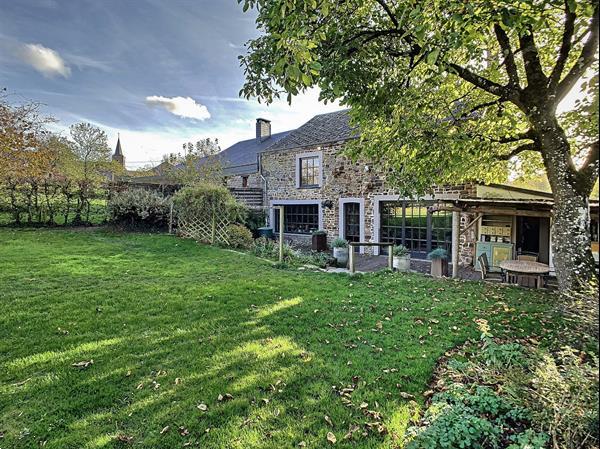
(341, 178)
(236, 182)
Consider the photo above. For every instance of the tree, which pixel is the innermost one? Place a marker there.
(90, 147)
(451, 91)
(199, 162)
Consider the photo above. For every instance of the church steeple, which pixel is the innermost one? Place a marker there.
(118, 155)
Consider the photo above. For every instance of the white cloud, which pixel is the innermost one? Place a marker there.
(43, 59)
(181, 106)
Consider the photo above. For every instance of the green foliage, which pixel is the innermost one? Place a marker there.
(255, 219)
(319, 232)
(400, 251)
(438, 253)
(339, 243)
(208, 201)
(139, 209)
(239, 236)
(512, 395)
(435, 85)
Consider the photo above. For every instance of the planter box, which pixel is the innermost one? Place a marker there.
(402, 263)
(319, 242)
(439, 268)
(341, 255)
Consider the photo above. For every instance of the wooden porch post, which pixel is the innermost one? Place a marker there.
(455, 242)
(281, 219)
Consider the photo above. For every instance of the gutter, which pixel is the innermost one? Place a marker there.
(265, 184)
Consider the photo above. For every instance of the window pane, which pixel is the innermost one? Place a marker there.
(299, 218)
(309, 171)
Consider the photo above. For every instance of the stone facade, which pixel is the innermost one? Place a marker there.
(343, 180)
(253, 181)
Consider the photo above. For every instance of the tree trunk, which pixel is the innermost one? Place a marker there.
(571, 240)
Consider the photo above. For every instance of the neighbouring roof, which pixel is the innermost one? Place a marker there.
(242, 157)
(321, 129)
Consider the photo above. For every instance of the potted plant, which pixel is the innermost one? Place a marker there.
(319, 240)
(401, 258)
(439, 262)
(340, 251)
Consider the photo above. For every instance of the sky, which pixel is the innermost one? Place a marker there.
(159, 72)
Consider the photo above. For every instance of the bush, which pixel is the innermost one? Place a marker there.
(239, 236)
(339, 243)
(438, 253)
(400, 251)
(269, 249)
(511, 395)
(138, 208)
(208, 201)
(255, 219)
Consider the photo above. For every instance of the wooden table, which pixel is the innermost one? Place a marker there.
(527, 269)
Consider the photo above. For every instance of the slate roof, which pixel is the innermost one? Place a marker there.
(242, 157)
(321, 129)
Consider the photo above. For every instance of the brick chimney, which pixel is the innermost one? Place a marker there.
(263, 129)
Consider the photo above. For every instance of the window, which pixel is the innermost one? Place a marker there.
(244, 181)
(411, 224)
(299, 218)
(309, 168)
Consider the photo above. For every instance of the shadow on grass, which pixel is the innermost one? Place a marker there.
(171, 325)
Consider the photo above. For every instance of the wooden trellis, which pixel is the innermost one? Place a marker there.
(207, 229)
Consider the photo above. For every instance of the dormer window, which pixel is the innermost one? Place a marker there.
(308, 170)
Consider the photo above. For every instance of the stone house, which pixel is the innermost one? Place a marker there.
(305, 171)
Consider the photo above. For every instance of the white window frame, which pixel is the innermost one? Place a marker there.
(293, 203)
(341, 218)
(299, 157)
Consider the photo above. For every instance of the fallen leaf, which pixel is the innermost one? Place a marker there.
(124, 438)
(183, 431)
(203, 407)
(328, 420)
(83, 364)
(405, 395)
(165, 430)
(302, 444)
(331, 438)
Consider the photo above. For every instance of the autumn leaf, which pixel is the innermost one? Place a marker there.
(331, 438)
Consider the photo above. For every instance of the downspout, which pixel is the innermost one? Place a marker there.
(265, 184)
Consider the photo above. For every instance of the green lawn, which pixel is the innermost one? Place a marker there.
(171, 325)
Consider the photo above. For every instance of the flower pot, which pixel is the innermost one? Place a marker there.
(439, 268)
(341, 255)
(402, 263)
(319, 242)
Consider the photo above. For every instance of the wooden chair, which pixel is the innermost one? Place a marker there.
(530, 257)
(485, 270)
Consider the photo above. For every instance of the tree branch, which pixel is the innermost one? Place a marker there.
(389, 12)
(481, 82)
(520, 149)
(591, 164)
(509, 56)
(531, 58)
(585, 59)
(565, 46)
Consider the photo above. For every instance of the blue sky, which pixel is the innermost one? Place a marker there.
(160, 72)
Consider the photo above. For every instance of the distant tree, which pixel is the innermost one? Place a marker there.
(199, 162)
(90, 147)
(451, 91)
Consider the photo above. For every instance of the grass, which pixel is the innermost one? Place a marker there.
(171, 325)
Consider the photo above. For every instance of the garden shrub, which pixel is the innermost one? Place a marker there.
(208, 201)
(139, 208)
(269, 249)
(255, 219)
(239, 236)
(512, 395)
